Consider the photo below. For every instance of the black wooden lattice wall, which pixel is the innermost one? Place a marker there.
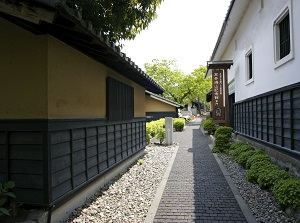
(49, 165)
(273, 117)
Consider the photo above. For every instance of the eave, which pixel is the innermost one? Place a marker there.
(159, 98)
(234, 16)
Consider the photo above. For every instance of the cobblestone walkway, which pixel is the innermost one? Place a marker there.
(196, 190)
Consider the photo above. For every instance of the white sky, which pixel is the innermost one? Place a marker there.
(185, 30)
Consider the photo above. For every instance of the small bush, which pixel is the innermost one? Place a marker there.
(244, 156)
(236, 145)
(161, 134)
(4, 194)
(224, 130)
(178, 124)
(267, 179)
(287, 193)
(256, 168)
(209, 126)
(243, 148)
(221, 143)
(257, 158)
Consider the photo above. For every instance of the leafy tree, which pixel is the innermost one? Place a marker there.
(179, 87)
(167, 74)
(199, 85)
(120, 20)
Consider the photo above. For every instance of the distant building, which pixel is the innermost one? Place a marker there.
(158, 107)
(261, 37)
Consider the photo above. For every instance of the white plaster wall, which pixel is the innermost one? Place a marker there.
(256, 31)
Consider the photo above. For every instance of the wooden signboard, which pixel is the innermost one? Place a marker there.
(218, 110)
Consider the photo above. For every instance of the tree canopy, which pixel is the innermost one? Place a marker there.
(179, 87)
(120, 20)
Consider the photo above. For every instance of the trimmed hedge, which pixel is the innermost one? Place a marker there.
(261, 170)
(209, 126)
(223, 130)
(178, 124)
(287, 193)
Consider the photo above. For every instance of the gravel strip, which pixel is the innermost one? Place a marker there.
(129, 197)
(261, 202)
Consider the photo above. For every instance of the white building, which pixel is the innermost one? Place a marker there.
(260, 36)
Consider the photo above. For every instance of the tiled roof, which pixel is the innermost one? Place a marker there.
(61, 21)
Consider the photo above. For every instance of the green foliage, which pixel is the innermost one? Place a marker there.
(256, 168)
(221, 143)
(209, 126)
(156, 129)
(287, 193)
(244, 156)
(179, 87)
(161, 134)
(140, 162)
(122, 20)
(236, 145)
(243, 148)
(267, 179)
(257, 158)
(224, 130)
(178, 124)
(4, 194)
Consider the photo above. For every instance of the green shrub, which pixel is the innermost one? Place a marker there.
(287, 193)
(208, 117)
(256, 168)
(223, 130)
(267, 179)
(150, 129)
(236, 145)
(244, 156)
(257, 158)
(221, 143)
(209, 126)
(4, 194)
(156, 129)
(243, 148)
(161, 134)
(178, 124)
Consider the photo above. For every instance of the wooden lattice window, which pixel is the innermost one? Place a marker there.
(120, 101)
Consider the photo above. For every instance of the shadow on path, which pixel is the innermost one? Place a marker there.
(196, 189)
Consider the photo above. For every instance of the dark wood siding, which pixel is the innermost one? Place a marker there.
(52, 163)
(273, 117)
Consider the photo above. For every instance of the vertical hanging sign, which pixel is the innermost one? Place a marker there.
(218, 95)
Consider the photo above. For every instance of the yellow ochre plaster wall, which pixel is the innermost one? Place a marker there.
(153, 105)
(42, 77)
(23, 70)
(77, 84)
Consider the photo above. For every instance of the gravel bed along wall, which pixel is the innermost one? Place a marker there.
(128, 198)
(261, 202)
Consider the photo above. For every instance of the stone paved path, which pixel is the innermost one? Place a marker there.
(196, 190)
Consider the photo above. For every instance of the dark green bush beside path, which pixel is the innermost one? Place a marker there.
(260, 169)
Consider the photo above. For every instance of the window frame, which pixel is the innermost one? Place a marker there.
(286, 11)
(249, 69)
(119, 100)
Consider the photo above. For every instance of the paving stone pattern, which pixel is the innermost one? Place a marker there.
(196, 189)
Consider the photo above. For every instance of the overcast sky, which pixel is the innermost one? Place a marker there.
(185, 30)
